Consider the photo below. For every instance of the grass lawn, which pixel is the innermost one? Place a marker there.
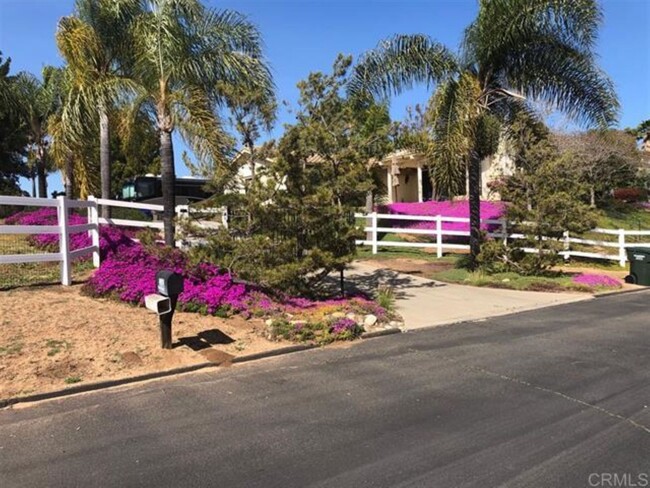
(513, 281)
(425, 264)
(629, 218)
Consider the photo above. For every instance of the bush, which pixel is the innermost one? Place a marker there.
(496, 257)
(630, 195)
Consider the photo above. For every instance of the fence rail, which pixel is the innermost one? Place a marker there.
(66, 255)
(373, 229)
(63, 228)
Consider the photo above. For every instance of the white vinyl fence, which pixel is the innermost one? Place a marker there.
(620, 245)
(65, 255)
(63, 229)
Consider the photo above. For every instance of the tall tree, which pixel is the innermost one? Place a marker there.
(184, 51)
(515, 52)
(37, 101)
(96, 45)
(13, 133)
(605, 160)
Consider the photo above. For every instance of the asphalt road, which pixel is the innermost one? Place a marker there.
(554, 398)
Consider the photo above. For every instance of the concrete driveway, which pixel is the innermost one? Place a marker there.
(558, 397)
(425, 303)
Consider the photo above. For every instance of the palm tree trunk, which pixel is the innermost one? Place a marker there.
(42, 179)
(168, 185)
(474, 189)
(68, 178)
(33, 178)
(105, 160)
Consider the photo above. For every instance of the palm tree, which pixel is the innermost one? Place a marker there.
(184, 53)
(37, 100)
(95, 43)
(514, 53)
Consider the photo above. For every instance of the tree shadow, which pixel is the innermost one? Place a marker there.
(367, 282)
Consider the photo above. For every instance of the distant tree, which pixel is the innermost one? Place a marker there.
(515, 51)
(605, 160)
(38, 101)
(642, 133)
(13, 134)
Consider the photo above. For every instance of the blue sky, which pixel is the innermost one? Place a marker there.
(306, 35)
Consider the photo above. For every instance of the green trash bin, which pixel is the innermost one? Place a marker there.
(639, 258)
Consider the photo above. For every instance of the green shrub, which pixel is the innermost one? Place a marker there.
(386, 297)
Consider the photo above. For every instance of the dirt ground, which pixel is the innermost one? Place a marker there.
(53, 337)
(420, 267)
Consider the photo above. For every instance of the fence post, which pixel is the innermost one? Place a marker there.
(622, 256)
(567, 244)
(374, 232)
(64, 241)
(93, 218)
(504, 231)
(438, 236)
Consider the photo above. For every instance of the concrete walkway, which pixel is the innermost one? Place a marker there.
(425, 303)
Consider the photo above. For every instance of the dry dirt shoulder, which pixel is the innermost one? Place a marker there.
(53, 337)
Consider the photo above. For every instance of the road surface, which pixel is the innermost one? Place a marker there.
(553, 398)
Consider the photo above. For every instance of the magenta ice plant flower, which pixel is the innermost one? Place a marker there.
(596, 280)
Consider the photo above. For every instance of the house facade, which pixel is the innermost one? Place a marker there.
(405, 176)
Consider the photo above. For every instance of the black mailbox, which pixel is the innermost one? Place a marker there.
(169, 283)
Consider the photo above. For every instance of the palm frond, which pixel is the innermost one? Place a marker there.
(399, 62)
(201, 128)
(503, 25)
(453, 113)
(566, 78)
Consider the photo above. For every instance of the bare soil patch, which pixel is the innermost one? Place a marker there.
(420, 267)
(53, 337)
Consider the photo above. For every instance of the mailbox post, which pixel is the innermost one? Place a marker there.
(169, 286)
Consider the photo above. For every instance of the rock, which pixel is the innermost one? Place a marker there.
(338, 315)
(506, 280)
(301, 323)
(269, 322)
(351, 316)
(370, 320)
(395, 324)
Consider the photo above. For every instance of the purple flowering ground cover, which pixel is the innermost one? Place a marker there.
(593, 280)
(460, 209)
(111, 239)
(129, 275)
(128, 268)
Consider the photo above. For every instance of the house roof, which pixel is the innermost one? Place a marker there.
(402, 157)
